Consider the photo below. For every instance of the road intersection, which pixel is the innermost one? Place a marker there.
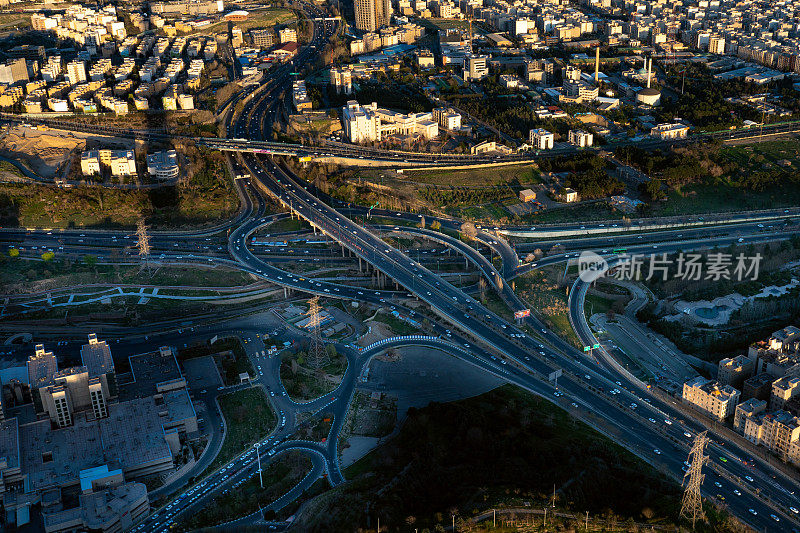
(646, 424)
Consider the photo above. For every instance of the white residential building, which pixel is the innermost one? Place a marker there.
(580, 138)
(76, 72)
(287, 35)
(541, 139)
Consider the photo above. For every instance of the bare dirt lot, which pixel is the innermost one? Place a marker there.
(44, 151)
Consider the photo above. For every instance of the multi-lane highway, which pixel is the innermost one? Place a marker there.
(520, 355)
(595, 390)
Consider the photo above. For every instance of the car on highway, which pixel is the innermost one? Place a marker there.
(795, 510)
(656, 451)
(753, 512)
(748, 478)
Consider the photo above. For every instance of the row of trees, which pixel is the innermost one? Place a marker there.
(454, 196)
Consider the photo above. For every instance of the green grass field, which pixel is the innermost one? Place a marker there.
(249, 418)
(478, 177)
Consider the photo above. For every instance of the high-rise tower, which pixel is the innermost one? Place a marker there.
(372, 14)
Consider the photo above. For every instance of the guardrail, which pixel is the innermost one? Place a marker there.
(409, 338)
(617, 227)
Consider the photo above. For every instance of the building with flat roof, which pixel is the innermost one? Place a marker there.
(758, 386)
(734, 370)
(153, 373)
(130, 438)
(716, 400)
(779, 355)
(748, 409)
(163, 165)
(783, 390)
(670, 131)
(116, 508)
(90, 444)
(476, 67)
(541, 139)
(371, 15)
(580, 138)
(370, 123)
(61, 393)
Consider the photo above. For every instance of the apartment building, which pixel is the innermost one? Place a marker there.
(783, 390)
(779, 355)
(447, 118)
(746, 412)
(341, 78)
(716, 400)
(262, 38)
(372, 14)
(14, 71)
(580, 138)
(188, 7)
(541, 139)
(76, 72)
(734, 370)
(287, 35)
(121, 163)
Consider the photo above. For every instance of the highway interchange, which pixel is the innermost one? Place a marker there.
(592, 388)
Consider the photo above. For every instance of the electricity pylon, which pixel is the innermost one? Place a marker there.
(316, 349)
(143, 244)
(692, 503)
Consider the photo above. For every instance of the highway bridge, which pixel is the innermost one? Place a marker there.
(653, 429)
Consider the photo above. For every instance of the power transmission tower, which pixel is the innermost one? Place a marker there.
(316, 349)
(692, 503)
(143, 244)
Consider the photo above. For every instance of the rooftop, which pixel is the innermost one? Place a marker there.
(150, 369)
(132, 436)
(96, 357)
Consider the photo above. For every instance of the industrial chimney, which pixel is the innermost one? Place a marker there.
(597, 65)
(649, 66)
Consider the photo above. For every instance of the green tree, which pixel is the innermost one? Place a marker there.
(48, 256)
(14, 252)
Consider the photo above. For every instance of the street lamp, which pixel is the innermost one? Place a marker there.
(257, 445)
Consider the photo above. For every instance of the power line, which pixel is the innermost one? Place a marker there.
(143, 243)
(692, 502)
(316, 349)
